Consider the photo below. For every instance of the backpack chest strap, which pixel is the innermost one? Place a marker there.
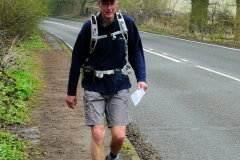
(111, 35)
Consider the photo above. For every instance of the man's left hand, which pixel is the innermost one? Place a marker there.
(142, 85)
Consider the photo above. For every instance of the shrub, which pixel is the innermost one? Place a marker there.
(21, 17)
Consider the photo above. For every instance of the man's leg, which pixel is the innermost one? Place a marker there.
(97, 144)
(117, 118)
(118, 136)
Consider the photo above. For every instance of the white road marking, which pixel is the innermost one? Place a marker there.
(235, 49)
(219, 73)
(172, 59)
(184, 60)
(63, 41)
(60, 24)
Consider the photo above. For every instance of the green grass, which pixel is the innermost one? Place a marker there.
(14, 95)
(14, 112)
(127, 147)
(11, 148)
(25, 84)
(74, 18)
(151, 29)
(13, 107)
(35, 42)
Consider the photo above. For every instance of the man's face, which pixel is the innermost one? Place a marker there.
(108, 9)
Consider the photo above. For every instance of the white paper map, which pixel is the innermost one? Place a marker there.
(137, 96)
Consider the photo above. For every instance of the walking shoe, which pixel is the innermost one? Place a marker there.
(108, 157)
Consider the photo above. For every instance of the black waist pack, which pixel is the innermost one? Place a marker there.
(89, 74)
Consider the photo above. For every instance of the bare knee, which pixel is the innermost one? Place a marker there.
(118, 134)
(119, 138)
(98, 134)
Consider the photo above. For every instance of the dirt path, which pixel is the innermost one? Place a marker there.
(63, 132)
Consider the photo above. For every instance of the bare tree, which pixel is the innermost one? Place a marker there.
(141, 10)
(199, 15)
(237, 33)
(82, 6)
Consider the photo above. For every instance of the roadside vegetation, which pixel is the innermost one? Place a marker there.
(19, 36)
(202, 20)
(13, 148)
(18, 81)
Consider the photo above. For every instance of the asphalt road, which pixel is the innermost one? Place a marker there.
(191, 110)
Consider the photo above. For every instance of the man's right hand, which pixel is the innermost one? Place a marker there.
(71, 101)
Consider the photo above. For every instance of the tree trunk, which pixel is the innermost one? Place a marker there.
(237, 22)
(82, 6)
(199, 15)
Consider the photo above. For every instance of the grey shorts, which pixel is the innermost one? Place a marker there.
(114, 106)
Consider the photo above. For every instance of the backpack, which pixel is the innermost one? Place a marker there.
(94, 31)
(94, 38)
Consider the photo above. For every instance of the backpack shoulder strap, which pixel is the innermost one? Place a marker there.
(122, 25)
(94, 32)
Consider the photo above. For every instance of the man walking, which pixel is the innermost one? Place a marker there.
(101, 51)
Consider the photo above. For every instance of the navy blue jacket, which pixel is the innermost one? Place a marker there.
(108, 54)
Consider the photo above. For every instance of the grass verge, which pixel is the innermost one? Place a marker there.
(13, 148)
(17, 84)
